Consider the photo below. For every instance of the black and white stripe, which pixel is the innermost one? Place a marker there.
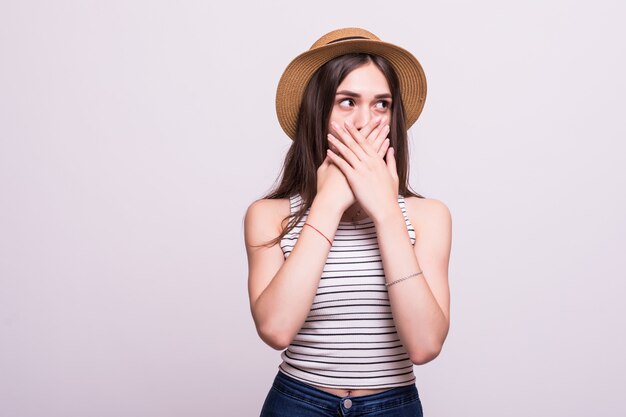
(349, 339)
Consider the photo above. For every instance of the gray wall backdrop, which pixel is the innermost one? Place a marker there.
(134, 135)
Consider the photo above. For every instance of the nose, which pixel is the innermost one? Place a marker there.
(362, 116)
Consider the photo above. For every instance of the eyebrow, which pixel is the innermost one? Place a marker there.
(357, 95)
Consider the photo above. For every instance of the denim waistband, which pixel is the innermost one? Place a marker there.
(390, 398)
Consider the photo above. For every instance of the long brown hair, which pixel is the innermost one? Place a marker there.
(308, 150)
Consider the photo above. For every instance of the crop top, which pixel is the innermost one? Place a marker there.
(349, 339)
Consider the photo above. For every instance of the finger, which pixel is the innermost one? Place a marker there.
(371, 137)
(341, 163)
(350, 138)
(382, 135)
(362, 151)
(326, 161)
(391, 163)
(344, 151)
(376, 137)
(383, 149)
(370, 126)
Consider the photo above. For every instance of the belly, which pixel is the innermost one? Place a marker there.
(342, 392)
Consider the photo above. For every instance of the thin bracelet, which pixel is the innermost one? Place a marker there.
(312, 227)
(402, 279)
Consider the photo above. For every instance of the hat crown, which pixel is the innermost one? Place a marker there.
(342, 35)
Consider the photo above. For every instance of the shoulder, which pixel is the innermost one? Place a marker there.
(428, 214)
(426, 206)
(268, 206)
(264, 218)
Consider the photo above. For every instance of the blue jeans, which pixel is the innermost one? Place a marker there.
(289, 397)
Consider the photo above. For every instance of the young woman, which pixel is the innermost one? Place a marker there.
(348, 268)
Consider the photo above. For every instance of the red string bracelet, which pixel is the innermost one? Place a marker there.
(312, 227)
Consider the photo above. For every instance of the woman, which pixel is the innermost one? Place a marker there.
(348, 268)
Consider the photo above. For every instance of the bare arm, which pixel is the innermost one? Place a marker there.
(421, 305)
(282, 290)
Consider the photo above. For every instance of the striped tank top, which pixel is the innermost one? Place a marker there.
(349, 339)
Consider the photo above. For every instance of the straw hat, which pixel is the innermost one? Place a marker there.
(344, 41)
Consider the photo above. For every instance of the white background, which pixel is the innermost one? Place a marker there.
(134, 135)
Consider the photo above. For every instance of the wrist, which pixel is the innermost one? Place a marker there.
(388, 215)
(325, 216)
(328, 205)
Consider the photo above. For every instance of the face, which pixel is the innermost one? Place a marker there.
(363, 95)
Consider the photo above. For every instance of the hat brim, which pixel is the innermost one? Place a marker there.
(298, 73)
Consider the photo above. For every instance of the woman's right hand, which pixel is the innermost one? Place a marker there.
(332, 183)
(333, 187)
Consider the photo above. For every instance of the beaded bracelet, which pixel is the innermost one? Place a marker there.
(402, 279)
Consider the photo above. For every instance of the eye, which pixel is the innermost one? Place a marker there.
(383, 105)
(346, 102)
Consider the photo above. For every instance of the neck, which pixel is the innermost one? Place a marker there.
(353, 213)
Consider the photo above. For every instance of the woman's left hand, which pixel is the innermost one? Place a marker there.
(374, 182)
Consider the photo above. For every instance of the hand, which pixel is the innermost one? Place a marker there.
(373, 181)
(333, 186)
(369, 131)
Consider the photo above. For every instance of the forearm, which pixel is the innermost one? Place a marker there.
(282, 308)
(420, 321)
